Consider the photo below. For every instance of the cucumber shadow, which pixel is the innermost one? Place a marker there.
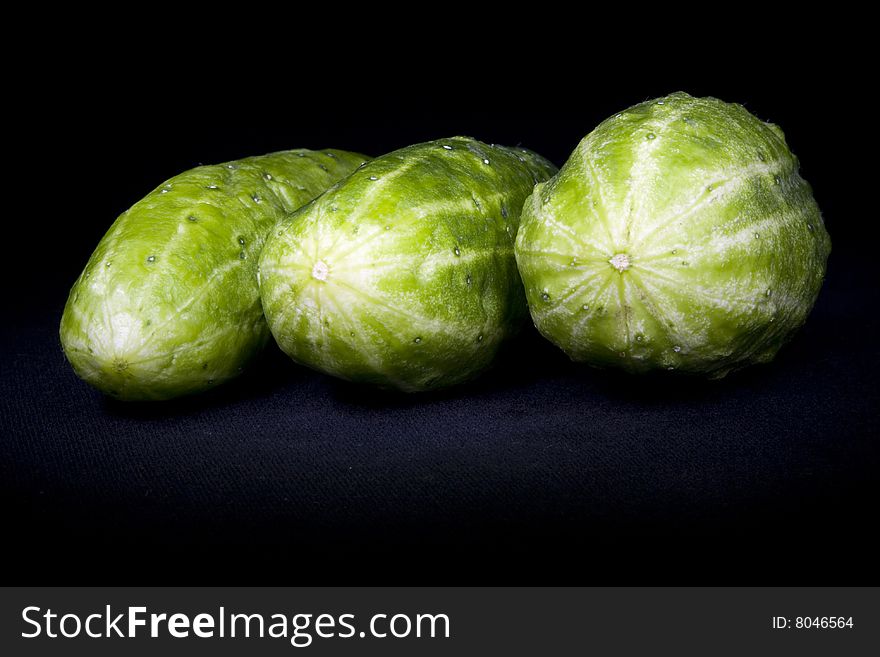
(270, 376)
(527, 370)
(519, 363)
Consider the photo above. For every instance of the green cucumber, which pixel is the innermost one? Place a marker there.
(168, 303)
(678, 236)
(403, 275)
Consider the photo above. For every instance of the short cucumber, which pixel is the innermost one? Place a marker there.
(403, 275)
(678, 237)
(168, 303)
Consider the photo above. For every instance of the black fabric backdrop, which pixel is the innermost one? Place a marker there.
(540, 471)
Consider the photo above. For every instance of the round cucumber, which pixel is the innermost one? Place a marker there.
(678, 236)
(403, 275)
(168, 303)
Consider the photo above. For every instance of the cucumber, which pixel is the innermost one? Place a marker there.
(679, 236)
(168, 303)
(403, 275)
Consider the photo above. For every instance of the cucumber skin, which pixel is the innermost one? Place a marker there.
(403, 275)
(168, 303)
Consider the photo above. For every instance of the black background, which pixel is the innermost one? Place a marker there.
(540, 471)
